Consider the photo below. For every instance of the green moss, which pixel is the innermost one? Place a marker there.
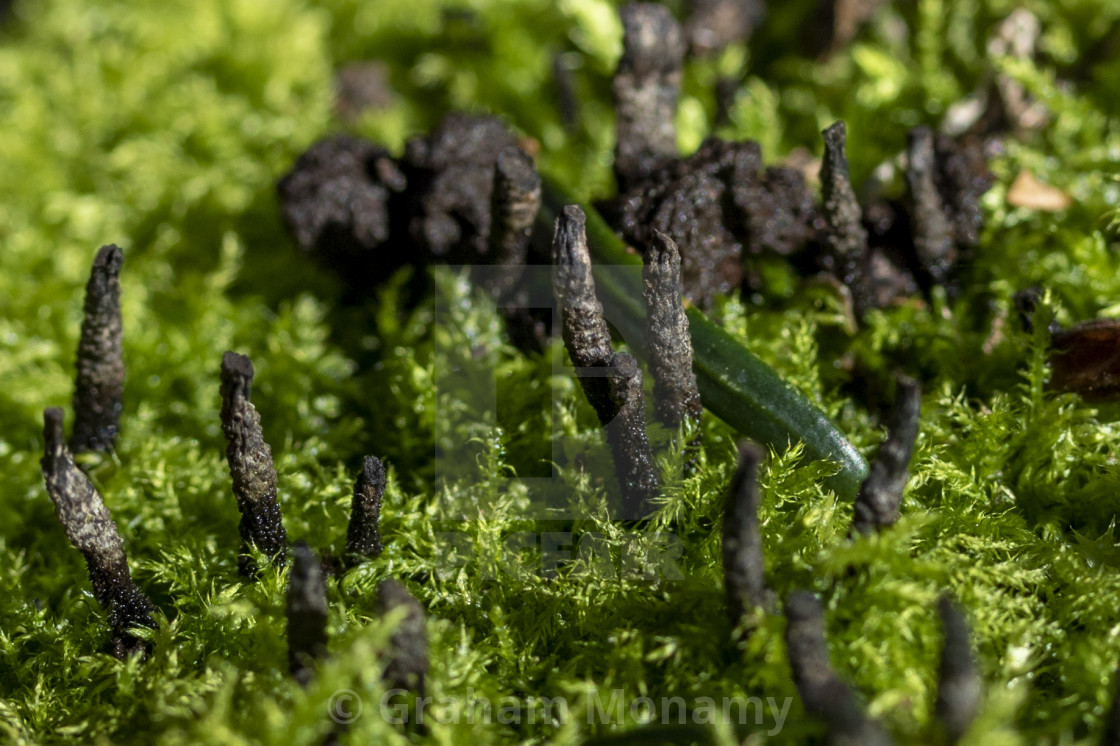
(162, 127)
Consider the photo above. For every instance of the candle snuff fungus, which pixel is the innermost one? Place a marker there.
(365, 197)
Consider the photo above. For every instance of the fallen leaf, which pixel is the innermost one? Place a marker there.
(1085, 359)
(1029, 192)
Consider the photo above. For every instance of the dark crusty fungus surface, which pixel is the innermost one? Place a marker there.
(99, 387)
(668, 343)
(250, 466)
(86, 520)
(363, 535)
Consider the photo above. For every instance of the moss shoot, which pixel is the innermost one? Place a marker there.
(163, 129)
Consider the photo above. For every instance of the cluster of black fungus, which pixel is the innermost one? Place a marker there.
(98, 401)
(718, 205)
(88, 524)
(468, 194)
(450, 175)
(722, 207)
(465, 194)
(336, 201)
(612, 381)
(365, 214)
(824, 694)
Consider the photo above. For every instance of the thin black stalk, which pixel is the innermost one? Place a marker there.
(586, 334)
(514, 202)
(824, 694)
(646, 87)
(363, 536)
(880, 497)
(932, 228)
(406, 666)
(845, 237)
(629, 442)
(307, 614)
(90, 528)
(668, 342)
(958, 680)
(744, 576)
(250, 466)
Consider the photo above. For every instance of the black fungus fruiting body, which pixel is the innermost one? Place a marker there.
(90, 528)
(586, 334)
(514, 202)
(932, 230)
(824, 694)
(668, 342)
(250, 466)
(450, 177)
(777, 207)
(713, 24)
(958, 680)
(945, 180)
(880, 496)
(612, 383)
(406, 664)
(646, 87)
(99, 385)
(307, 614)
(336, 202)
(722, 207)
(363, 536)
(365, 214)
(744, 576)
(962, 178)
(845, 238)
(626, 434)
(687, 199)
